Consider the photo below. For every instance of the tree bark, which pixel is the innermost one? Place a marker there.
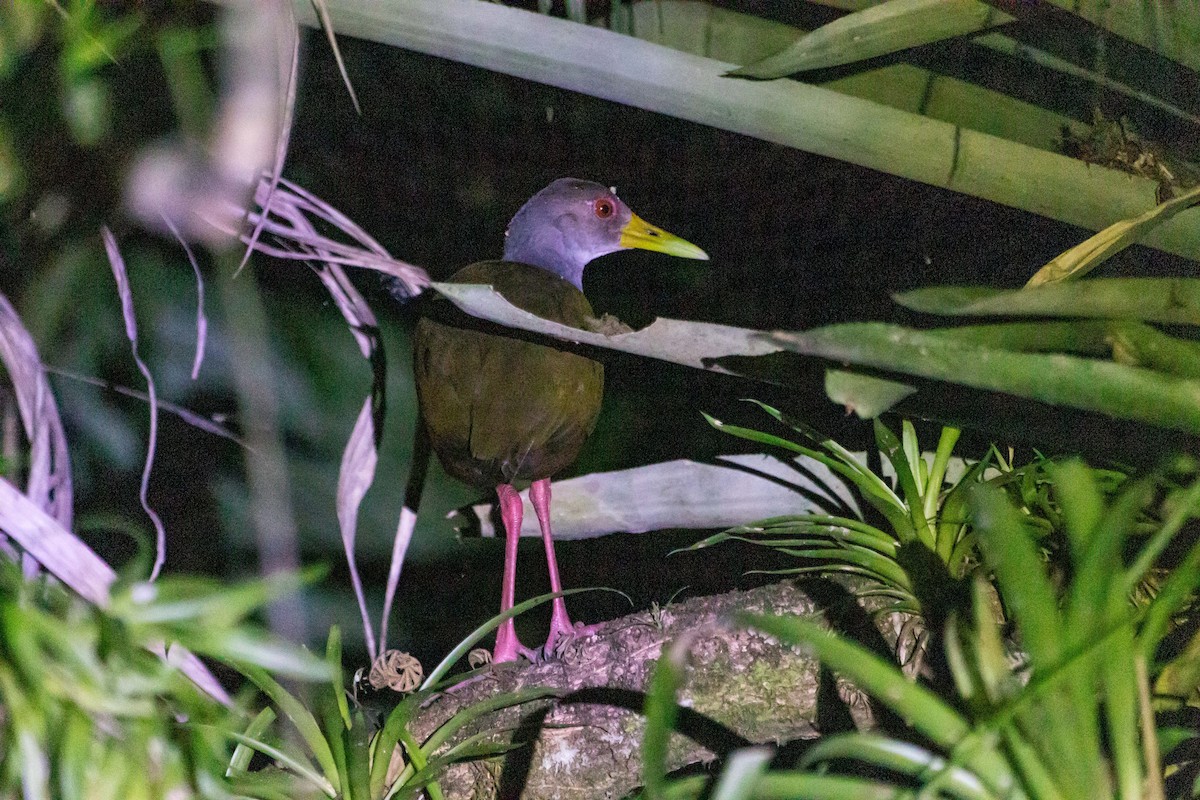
(742, 687)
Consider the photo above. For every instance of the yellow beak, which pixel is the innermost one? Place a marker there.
(644, 236)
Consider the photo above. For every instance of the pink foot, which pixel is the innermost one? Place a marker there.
(508, 646)
(562, 631)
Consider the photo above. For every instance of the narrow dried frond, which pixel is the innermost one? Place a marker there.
(291, 214)
(126, 295)
(48, 484)
(295, 219)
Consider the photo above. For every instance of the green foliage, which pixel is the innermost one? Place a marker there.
(1073, 718)
(346, 755)
(85, 702)
(87, 708)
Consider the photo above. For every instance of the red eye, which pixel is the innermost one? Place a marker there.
(604, 208)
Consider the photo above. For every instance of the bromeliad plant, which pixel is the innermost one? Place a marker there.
(1073, 719)
(922, 514)
(925, 544)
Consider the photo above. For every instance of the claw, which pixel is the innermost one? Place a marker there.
(563, 633)
(508, 646)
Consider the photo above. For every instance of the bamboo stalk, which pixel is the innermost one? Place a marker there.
(634, 72)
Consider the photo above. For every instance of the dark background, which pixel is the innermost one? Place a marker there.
(442, 155)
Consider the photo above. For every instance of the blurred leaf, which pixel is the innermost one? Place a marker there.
(741, 772)
(1087, 255)
(87, 108)
(877, 31)
(12, 175)
(94, 709)
(94, 39)
(1141, 345)
(866, 396)
(982, 667)
(1173, 595)
(1021, 575)
(1168, 300)
(181, 50)
(280, 657)
(1183, 505)
(1081, 502)
(1134, 344)
(899, 756)
(1085, 337)
(21, 27)
(661, 711)
(1096, 600)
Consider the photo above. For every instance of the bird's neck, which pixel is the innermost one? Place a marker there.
(546, 249)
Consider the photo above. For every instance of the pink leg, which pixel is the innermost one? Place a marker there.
(508, 646)
(560, 623)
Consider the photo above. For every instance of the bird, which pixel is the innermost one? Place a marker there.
(501, 411)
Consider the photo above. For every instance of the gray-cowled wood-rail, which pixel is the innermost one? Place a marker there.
(501, 410)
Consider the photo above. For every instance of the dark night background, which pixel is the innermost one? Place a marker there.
(441, 157)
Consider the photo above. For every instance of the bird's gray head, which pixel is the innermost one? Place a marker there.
(571, 222)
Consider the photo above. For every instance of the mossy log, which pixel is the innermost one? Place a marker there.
(742, 687)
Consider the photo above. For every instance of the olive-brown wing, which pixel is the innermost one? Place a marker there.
(500, 409)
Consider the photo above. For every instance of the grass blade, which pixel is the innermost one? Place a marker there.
(1021, 575)
(240, 761)
(481, 709)
(294, 764)
(463, 647)
(922, 708)
(303, 720)
(877, 31)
